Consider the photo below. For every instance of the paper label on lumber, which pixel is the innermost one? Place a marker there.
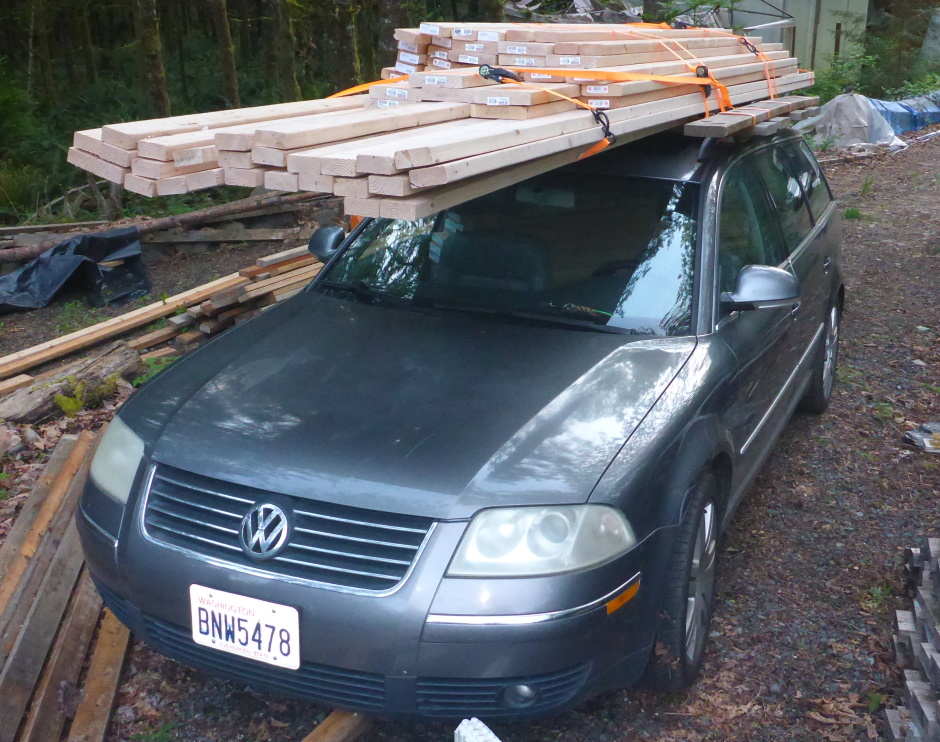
(382, 103)
(435, 80)
(569, 61)
(524, 62)
(409, 58)
(540, 76)
(468, 59)
(597, 89)
(439, 54)
(392, 92)
(407, 46)
(488, 35)
(497, 100)
(599, 102)
(187, 157)
(444, 64)
(444, 42)
(431, 28)
(405, 68)
(475, 47)
(521, 49)
(462, 33)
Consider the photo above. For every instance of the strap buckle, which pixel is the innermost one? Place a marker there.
(702, 71)
(498, 74)
(604, 122)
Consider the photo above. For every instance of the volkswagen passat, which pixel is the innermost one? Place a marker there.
(479, 466)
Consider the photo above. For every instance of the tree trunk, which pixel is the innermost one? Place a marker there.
(84, 384)
(489, 11)
(151, 56)
(43, 52)
(223, 32)
(283, 49)
(88, 46)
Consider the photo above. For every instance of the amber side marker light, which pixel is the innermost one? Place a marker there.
(625, 597)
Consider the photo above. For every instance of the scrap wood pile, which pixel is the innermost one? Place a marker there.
(408, 147)
(192, 316)
(49, 613)
(917, 648)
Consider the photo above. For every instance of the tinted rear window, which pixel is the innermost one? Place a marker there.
(790, 203)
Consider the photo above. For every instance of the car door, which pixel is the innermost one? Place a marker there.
(785, 173)
(762, 340)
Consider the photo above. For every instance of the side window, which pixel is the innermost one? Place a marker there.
(811, 176)
(747, 229)
(788, 198)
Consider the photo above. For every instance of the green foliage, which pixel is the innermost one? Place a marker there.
(867, 185)
(4, 492)
(160, 734)
(852, 213)
(875, 701)
(79, 394)
(153, 366)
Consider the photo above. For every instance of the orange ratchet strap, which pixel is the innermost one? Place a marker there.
(365, 86)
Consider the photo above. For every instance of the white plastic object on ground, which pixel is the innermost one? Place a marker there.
(852, 121)
(474, 730)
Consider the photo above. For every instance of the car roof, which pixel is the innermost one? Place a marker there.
(669, 156)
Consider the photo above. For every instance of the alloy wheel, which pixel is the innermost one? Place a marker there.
(701, 583)
(832, 347)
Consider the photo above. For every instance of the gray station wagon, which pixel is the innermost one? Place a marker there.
(479, 466)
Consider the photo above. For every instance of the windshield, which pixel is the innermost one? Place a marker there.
(612, 253)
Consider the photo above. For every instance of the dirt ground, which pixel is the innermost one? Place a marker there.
(809, 571)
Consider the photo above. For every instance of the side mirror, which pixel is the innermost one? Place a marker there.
(325, 242)
(762, 287)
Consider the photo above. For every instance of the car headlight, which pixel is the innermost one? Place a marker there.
(532, 541)
(115, 464)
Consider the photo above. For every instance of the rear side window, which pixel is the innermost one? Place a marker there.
(811, 176)
(788, 198)
(747, 228)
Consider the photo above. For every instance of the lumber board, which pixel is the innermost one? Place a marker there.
(511, 95)
(142, 186)
(623, 121)
(294, 134)
(127, 135)
(520, 113)
(457, 79)
(46, 717)
(340, 726)
(364, 207)
(315, 183)
(157, 169)
(17, 382)
(204, 156)
(37, 496)
(247, 178)
(90, 141)
(101, 684)
(412, 36)
(422, 205)
(231, 158)
(726, 124)
(161, 353)
(639, 46)
(205, 179)
(96, 165)
(153, 338)
(185, 339)
(353, 187)
(281, 180)
(22, 669)
(281, 256)
(22, 360)
(172, 186)
(395, 91)
(391, 185)
(261, 287)
(270, 156)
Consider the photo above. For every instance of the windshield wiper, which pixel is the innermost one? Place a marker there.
(575, 323)
(577, 311)
(362, 290)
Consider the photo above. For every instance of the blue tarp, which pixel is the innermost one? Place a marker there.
(910, 114)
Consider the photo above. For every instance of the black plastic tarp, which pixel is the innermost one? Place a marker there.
(76, 266)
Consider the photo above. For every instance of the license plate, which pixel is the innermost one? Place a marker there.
(257, 629)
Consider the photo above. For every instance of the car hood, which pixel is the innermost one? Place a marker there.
(435, 415)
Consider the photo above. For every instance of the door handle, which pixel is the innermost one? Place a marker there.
(827, 263)
(795, 310)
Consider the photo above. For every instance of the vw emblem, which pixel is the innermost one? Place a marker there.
(264, 531)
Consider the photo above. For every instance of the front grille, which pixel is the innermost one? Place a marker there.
(327, 685)
(117, 605)
(462, 697)
(333, 544)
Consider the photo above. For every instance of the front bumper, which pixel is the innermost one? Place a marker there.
(435, 647)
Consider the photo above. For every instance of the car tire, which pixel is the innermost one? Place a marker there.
(817, 396)
(679, 647)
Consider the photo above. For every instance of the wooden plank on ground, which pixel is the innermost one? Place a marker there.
(153, 338)
(30, 510)
(101, 684)
(60, 227)
(340, 726)
(24, 359)
(22, 669)
(46, 716)
(17, 382)
(162, 353)
(279, 257)
(221, 235)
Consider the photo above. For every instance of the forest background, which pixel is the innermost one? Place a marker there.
(67, 65)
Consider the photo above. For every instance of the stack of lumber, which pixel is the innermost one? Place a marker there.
(917, 648)
(49, 611)
(161, 157)
(445, 134)
(193, 315)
